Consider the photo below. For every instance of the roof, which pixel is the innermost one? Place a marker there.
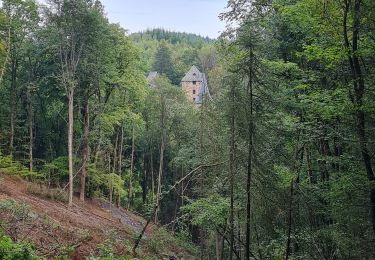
(151, 76)
(193, 75)
(203, 91)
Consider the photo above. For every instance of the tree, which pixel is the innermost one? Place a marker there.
(69, 24)
(22, 17)
(163, 62)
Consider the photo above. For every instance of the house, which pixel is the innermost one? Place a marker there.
(194, 84)
(151, 77)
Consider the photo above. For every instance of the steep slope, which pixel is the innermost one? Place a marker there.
(86, 229)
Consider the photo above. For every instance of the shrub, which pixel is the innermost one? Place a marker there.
(15, 251)
(8, 166)
(12, 214)
(43, 191)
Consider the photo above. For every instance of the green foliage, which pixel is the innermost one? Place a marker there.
(8, 166)
(160, 34)
(18, 211)
(163, 62)
(209, 211)
(15, 251)
(57, 170)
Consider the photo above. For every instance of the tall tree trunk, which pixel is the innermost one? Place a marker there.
(231, 172)
(110, 182)
(70, 141)
(144, 178)
(12, 93)
(85, 146)
(131, 169)
(217, 246)
(161, 157)
(120, 151)
(115, 153)
(152, 176)
(249, 158)
(288, 242)
(158, 192)
(121, 144)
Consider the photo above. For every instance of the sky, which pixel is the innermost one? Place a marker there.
(192, 16)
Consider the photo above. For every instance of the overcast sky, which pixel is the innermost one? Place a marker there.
(193, 16)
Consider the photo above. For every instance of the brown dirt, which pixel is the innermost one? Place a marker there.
(82, 227)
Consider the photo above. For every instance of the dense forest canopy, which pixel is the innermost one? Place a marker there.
(279, 164)
(172, 37)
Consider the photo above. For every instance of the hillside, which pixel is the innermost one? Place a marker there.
(172, 37)
(89, 229)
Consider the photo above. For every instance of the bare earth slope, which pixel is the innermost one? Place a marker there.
(84, 230)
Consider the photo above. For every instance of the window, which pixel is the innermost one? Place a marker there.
(194, 99)
(193, 91)
(194, 83)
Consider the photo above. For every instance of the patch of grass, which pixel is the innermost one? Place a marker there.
(43, 191)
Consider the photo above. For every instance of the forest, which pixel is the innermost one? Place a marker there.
(277, 164)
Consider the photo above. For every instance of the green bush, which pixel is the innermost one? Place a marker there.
(15, 251)
(8, 166)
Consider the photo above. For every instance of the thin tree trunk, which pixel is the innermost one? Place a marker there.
(120, 162)
(231, 172)
(115, 153)
(287, 250)
(182, 186)
(144, 178)
(110, 182)
(131, 169)
(158, 193)
(31, 126)
(12, 107)
(239, 246)
(85, 147)
(139, 238)
(309, 168)
(120, 151)
(161, 160)
(217, 246)
(249, 159)
(70, 141)
(152, 176)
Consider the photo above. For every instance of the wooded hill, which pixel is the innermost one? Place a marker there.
(160, 34)
(278, 165)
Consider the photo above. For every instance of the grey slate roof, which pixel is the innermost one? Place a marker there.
(204, 91)
(193, 75)
(151, 76)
